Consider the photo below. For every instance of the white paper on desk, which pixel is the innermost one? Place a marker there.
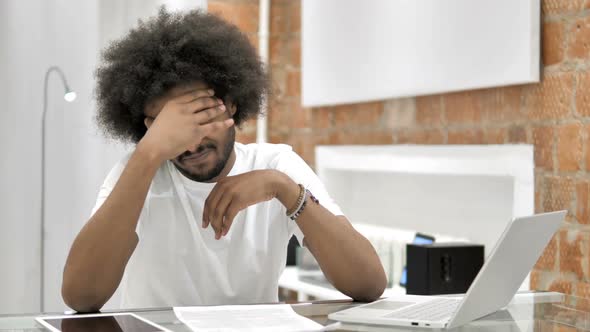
(239, 318)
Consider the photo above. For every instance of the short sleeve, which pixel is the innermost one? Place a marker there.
(297, 169)
(108, 185)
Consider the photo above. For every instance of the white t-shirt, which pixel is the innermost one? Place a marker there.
(178, 263)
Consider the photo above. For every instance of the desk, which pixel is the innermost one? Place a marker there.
(527, 312)
(289, 280)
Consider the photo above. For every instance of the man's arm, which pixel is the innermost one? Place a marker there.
(347, 258)
(100, 252)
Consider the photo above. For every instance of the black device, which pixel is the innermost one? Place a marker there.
(292, 251)
(442, 268)
(419, 238)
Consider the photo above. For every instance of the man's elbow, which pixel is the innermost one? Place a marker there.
(369, 288)
(80, 300)
(372, 291)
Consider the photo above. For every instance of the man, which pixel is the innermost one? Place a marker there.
(191, 217)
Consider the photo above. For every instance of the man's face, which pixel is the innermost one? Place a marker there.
(212, 153)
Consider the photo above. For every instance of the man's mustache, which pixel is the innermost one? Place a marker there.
(200, 149)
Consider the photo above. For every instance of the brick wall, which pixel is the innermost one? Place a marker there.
(554, 116)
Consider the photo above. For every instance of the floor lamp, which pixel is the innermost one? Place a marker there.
(69, 96)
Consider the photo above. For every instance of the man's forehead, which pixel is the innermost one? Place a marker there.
(154, 106)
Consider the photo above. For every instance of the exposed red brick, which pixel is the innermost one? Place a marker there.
(276, 137)
(495, 136)
(321, 118)
(279, 115)
(295, 51)
(548, 258)
(303, 144)
(583, 202)
(561, 286)
(543, 147)
(500, 104)
(358, 115)
(253, 38)
(294, 9)
(569, 147)
(534, 280)
(562, 328)
(277, 51)
(553, 42)
(469, 136)
(551, 99)
(301, 116)
(583, 93)
(582, 296)
(571, 253)
(279, 83)
(517, 134)
(288, 114)
(279, 18)
(538, 197)
(399, 113)
(558, 193)
(429, 111)
(462, 108)
(583, 290)
(579, 40)
(361, 137)
(294, 83)
(550, 7)
(244, 14)
(541, 280)
(429, 136)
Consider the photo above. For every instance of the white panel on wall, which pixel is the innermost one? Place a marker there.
(356, 51)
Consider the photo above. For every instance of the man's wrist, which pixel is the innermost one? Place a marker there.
(148, 154)
(287, 190)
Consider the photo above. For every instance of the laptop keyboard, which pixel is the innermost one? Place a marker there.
(435, 310)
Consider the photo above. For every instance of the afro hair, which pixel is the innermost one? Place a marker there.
(170, 50)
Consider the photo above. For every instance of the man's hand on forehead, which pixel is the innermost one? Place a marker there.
(193, 94)
(183, 121)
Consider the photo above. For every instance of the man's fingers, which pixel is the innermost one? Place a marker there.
(217, 125)
(209, 207)
(193, 94)
(201, 104)
(229, 217)
(224, 199)
(206, 115)
(206, 208)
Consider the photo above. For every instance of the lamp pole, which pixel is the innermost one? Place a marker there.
(69, 96)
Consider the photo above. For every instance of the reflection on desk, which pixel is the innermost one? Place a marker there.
(527, 312)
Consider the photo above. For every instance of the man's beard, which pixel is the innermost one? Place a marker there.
(219, 166)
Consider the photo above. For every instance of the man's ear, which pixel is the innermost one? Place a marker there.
(232, 109)
(148, 122)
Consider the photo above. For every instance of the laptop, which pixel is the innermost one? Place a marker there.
(495, 285)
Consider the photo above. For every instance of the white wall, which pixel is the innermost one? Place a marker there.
(34, 35)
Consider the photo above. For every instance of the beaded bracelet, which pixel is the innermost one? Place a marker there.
(298, 212)
(300, 201)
